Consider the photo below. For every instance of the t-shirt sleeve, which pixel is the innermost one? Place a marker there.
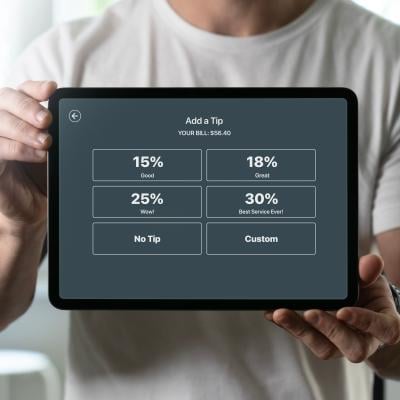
(386, 212)
(57, 55)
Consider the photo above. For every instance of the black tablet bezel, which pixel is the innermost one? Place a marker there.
(209, 304)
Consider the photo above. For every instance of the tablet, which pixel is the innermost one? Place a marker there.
(183, 198)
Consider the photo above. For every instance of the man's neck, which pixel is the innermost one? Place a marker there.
(240, 17)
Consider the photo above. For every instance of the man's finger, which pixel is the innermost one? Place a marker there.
(38, 90)
(10, 150)
(268, 314)
(16, 129)
(353, 345)
(370, 268)
(25, 107)
(386, 328)
(296, 326)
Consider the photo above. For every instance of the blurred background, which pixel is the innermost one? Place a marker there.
(43, 329)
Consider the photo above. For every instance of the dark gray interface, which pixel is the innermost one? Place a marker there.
(203, 198)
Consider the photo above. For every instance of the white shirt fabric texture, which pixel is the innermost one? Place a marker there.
(197, 355)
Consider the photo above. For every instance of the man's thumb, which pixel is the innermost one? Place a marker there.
(370, 268)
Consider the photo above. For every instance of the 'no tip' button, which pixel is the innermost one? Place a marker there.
(75, 116)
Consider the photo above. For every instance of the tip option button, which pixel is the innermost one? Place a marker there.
(259, 238)
(147, 238)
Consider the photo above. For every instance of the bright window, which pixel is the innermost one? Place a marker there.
(389, 9)
(70, 9)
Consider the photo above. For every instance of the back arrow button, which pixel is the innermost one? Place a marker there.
(75, 116)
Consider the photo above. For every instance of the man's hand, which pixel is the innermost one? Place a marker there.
(352, 332)
(24, 142)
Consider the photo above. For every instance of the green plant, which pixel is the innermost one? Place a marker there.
(99, 5)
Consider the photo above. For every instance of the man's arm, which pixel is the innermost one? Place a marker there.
(20, 256)
(386, 361)
(389, 247)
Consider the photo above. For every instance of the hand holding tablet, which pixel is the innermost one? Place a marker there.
(203, 198)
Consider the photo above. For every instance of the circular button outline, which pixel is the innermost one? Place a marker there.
(70, 116)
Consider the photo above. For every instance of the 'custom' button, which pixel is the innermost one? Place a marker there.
(261, 238)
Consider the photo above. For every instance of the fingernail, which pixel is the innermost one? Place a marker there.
(42, 138)
(40, 153)
(41, 115)
(268, 316)
(52, 84)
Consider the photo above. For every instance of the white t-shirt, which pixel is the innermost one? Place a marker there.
(228, 355)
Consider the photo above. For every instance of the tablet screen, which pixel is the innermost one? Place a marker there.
(208, 198)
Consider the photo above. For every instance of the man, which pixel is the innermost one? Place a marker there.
(216, 355)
